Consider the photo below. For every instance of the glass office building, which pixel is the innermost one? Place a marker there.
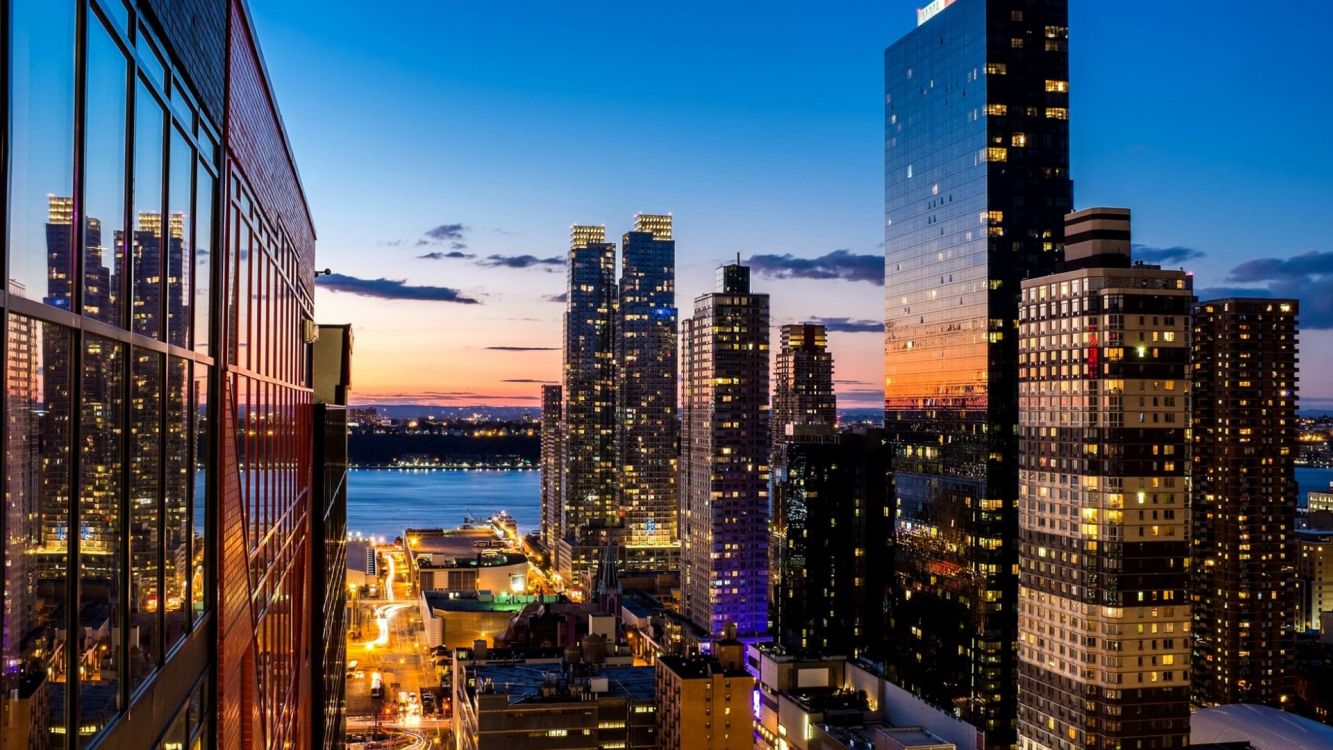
(158, 265)
(976, 189)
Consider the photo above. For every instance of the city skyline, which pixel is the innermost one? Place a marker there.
(704, 134)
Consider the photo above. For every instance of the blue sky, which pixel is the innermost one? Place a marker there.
(759, 126)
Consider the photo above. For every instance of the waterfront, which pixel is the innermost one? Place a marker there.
(383, 502)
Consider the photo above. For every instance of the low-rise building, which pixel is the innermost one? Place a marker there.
(704, 702)
(551, 704)
(459, 618)
(1314, 574)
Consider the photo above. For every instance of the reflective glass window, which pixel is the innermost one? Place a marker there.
(148, 229)
(36, 521)
(104, 175)
(199, 509)
(145, 513)
(180, 211)
(203, 255)
(41, 151)
(102, 423)
(176, 533)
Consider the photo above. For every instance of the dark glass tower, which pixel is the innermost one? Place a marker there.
(976, 189)
(1244, 500)
(831, 577)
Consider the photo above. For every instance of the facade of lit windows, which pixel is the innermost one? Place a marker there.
(1104, 399)
(646, 372)
(704, 702)
(589, 482)
(724, 458)
(976, 188)
(551, 462)
(156, 413)
(1244, 500)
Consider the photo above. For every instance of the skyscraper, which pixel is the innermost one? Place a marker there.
(804, 411)
(1104, 384)
(589, 482)
(831, 576)
(976, 188)
(551, 466)
(645, 337)
(724, 458)
(1244, 500)
(157, 410)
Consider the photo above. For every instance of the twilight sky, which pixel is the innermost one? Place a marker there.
(446, 147)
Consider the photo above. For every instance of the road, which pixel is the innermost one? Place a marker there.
(398, 652)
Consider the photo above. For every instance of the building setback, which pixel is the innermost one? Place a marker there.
(1244, 500)
(159, 268)
(646, 356)
(977, 184)
(1104, 394)
(724, 458)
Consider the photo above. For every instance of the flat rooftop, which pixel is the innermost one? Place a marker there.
(452, 601)
(523, 683)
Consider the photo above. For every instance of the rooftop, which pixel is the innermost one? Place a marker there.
(524, 683)
(456, 601)
(697, 666)
(1263, 727)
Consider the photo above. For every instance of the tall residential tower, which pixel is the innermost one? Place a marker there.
(645, 341)
(976, 189)
(724, 458)
(1244, 500)
(1104, 389)
(589, 481)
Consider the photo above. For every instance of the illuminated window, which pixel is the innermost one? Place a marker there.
(997, 110)
(1057, 87)
(1019, 140)
(997, 153)
(996, 69)
(1057, 113)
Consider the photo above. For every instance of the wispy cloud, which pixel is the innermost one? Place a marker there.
(523, 348)
(562, 297)
(850, 325)
(393, 289)
(528, 380)
(1307, 277)
(446, 232)
(441, 255)
(839, 264)
(522, 261)
(1166, 255)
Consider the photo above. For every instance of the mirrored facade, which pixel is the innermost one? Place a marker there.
(114, 463)
(976, 159)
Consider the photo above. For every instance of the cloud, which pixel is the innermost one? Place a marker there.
(440, 255)
(523, 348)
(1305, 265)
(839, 264)
(838, 381)
(1307, 277)
(562, 297)
(437, 398)
(850, 325)
(458, 245)
(521, 261)
(445, 232)
(393, 289)
(1165, 255)
(528, 380)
